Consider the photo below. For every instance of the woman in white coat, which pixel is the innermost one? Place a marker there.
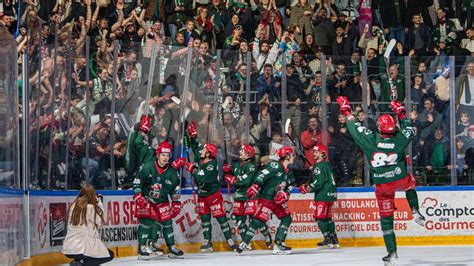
(82, 242)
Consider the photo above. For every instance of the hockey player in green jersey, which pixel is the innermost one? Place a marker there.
(324, 188)
(385, 152)
(274, 185)
(158, 182)
(210, 200)
(241, 176)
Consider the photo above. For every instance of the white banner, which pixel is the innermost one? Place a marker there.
(355, 215)
(12, 230)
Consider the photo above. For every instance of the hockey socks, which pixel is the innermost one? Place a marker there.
(388, 234)
(250, 233)
(242, 223)
(225, 227)
(168, 234)
(282, 230)
(323, 225)
(412, 198)
(154, 227)
(144, 230)
(206, 227)
(331, 225)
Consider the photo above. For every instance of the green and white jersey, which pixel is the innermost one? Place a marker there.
(386, 156)
(322, 182)
(275, 175)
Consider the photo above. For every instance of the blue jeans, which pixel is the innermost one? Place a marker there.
(398, 33)
(173, 30)
(93, 169)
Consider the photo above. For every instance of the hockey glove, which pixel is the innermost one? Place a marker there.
(145, 124)
(192, 129)
(140, 200)
(230, 179)
(226, 168)
(281, 197)
(304, 189)
(176, 208)
(399, 109)
(190, 167)
(155, 191)
(344, 107)
(252, 191)
(178, 163)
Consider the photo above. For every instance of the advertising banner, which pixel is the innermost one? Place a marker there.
(12, 227)
(355, 214)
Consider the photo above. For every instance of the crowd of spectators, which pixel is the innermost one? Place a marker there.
(253, 64)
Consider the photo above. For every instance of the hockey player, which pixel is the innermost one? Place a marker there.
(210, 201)
(274, 184)
(241, 176)
(158, 183)
(324, 188)
(385, 152)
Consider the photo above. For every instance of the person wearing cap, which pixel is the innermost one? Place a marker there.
(241, 176)
(324, 188)
(274, 184)
(385, 152)
(156, 182)
(210, 201)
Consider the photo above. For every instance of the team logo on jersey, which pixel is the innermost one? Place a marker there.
(317, 171)
(200, 172)
(274, 165)
(210, 168)
(383, 145)
(252, 168)
(168, 182)
(137, 181)
(398, 170)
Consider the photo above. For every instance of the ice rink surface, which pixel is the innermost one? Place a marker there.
(426, 255)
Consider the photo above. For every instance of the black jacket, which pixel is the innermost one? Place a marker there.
(425, 34)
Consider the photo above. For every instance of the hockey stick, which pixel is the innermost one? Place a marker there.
(287, 130)
(224, 105)
(188, 158)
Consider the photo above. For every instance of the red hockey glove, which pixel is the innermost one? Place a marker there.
(304, 189)
(252, 191)
(155, 191)
(192, 129)
(399, 109)
(145, 124)
(226, 168)
(140, 200)
(176, 208)
(344, 107)
(230, 179)
(190, 167)
(281, 197)
(197, 209)
(178, 163)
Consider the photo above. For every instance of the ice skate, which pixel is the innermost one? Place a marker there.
(418, 218)
(76, 263)
(326, 241)
(206, 247)
(248, 247)
(279, 248)
(391, 259)
(155, 247)
(232, 244)
(241, 248)
(334, 240)
(268, 240)
(145, 252)
(175, 253)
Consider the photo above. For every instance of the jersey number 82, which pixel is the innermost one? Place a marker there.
(381, 159)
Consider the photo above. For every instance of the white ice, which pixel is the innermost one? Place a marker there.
(426, 255)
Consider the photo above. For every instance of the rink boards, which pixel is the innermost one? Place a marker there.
(449, 212)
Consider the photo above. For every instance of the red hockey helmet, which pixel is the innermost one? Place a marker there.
(164, 147)
(322, 149)
(285, 151)
(212, 149)
(248, 149)
(386, 124)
